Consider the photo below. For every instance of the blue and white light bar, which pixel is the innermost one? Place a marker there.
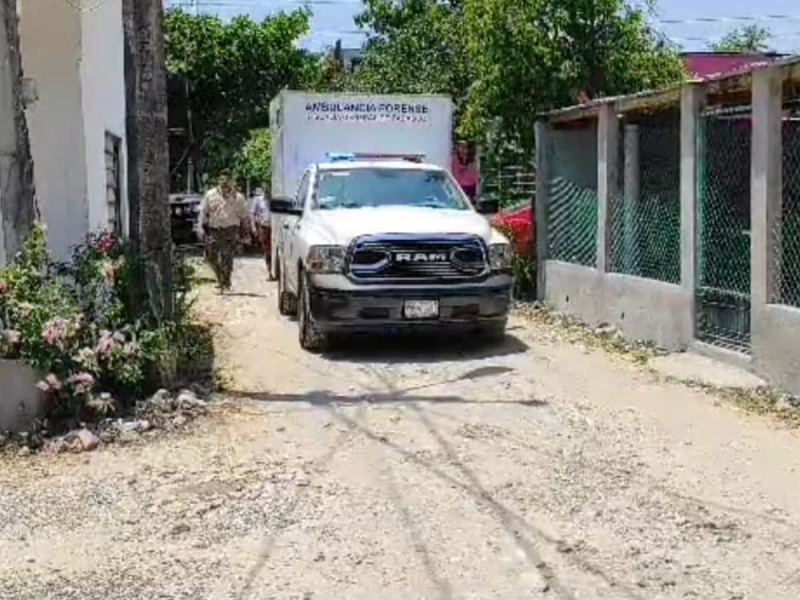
(340, 156)
(351, 156)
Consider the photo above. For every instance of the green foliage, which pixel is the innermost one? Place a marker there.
(535, 55)
(750, 39)
(504, 61)
(73, 323)
(418, 47)
(254, 161)
(234, 68)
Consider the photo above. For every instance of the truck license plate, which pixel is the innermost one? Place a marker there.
(421, 309)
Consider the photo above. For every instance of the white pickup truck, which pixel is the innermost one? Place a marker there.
(376, 245)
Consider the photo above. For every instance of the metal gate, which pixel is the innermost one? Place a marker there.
(723, 293)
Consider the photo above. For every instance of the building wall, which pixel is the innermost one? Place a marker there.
(666, 313)
(50, 39)
(642, 309)
(103, 81)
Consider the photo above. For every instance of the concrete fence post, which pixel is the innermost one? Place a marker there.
(630, 199)
(607, 178)
(543, 175)
(692, 100)
(765, 188)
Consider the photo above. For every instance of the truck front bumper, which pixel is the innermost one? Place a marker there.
(371, 310)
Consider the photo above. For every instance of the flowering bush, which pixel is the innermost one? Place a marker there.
(74, 323)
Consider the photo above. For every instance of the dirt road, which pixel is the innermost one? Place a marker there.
(538, 469)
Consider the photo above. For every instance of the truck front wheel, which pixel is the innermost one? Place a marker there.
(311, 338)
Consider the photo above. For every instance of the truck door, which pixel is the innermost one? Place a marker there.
(289, 233)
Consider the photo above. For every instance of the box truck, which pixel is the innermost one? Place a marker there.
(306, 127)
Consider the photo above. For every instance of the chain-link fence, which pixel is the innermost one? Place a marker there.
(645, 215)
(787, 233)
(723, 301)
(507, 172)
(572, 207)
(510, 184)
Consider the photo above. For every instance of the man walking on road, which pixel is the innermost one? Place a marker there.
(261, 223)
(223, 214)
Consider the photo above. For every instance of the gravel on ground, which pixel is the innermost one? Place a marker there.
(415, 469)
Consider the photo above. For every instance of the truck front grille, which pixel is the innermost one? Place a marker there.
(412, 259)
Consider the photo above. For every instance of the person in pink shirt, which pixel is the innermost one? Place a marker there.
(465, 170)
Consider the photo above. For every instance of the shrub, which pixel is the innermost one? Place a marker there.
(77, 324)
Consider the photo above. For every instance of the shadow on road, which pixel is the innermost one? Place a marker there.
(528, 538)
(401, 348)
(329, 399)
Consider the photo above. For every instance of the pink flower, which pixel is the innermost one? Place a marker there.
(110, 271)
(50, 384)
(82, 382)
(55, 331)
(53, 381)
(5, 287)
(106, 344)
(12, 336)
(105, 243)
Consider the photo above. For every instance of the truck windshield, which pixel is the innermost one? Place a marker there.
(375, 187)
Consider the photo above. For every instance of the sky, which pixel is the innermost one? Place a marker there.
(693, 24)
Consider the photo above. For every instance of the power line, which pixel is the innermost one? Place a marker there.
(706, 20)
(280, 4)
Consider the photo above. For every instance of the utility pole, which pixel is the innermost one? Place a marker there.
(17, 200)
(148, 150)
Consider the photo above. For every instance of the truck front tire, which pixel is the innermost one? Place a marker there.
(311, 338)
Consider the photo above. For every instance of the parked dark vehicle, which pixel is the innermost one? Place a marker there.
(184, 218)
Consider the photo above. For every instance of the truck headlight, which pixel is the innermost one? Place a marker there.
(500, 256)
(326, 259)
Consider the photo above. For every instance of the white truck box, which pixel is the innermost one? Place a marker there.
(306, 126)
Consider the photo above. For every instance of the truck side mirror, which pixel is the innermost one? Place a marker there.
(284, 206)
(486, 206)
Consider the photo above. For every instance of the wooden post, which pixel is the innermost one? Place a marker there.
(17, 200)
(148, 149)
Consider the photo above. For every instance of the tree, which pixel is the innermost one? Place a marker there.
(415, 46)
(148, 172)
(750, 39)
(253, 162)
(233, 69)
(535, 55)
(17, 201)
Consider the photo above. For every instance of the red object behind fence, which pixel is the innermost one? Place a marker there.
(518, 223)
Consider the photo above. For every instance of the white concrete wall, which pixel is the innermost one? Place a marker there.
(103, 80)
(642, 309)
(50, 38)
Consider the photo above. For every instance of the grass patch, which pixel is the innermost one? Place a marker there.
(762, 400)
(563, 327)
